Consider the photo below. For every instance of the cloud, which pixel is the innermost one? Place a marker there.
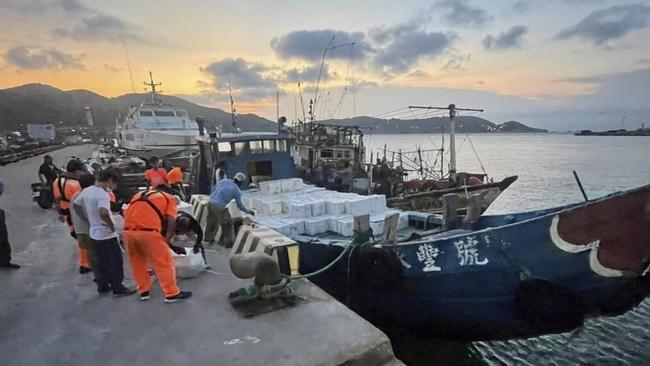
(35, 58)
(310, 44)
(32, 7)
(580, 2)
(388, 50)
(399, 48)
(457, 62)
(605, 25)
(101, 27)
(417, 74)
(522, 6)
(458, 12)
(113, 68)
(306, 73)
(509, 39)
(249, 81)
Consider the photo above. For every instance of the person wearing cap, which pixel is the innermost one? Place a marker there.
(175, 179)
(156, 175)
(48, 172)
(63, 189)
(218, 215)
(5, 247)
(149, 227)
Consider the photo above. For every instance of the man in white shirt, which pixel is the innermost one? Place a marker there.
(93, 204)
(80, 224)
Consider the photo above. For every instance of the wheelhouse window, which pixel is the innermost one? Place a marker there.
(256, 147)
(180, 113)
(281, 146)
(269, 146)
(326, 154)
(164, 113)
(241, 148)
(225, 149)
(146, 114)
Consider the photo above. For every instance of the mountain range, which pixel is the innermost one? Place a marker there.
(39, 103)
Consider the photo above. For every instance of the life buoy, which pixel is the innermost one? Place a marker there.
(379, 268)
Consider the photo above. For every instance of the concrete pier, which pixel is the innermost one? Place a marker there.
(52, 315)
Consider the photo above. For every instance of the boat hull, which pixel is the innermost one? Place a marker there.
(431, 201)
(536, 273)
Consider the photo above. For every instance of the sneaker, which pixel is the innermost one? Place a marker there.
(10, 265)
(104, 290)
(181, 296)
(84, 270)
(145, 296)
(124, 291)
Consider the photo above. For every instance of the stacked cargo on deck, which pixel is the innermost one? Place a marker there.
(293, 208)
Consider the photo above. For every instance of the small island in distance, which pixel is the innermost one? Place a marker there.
(464, 124)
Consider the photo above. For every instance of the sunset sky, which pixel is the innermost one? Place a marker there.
(527, 59)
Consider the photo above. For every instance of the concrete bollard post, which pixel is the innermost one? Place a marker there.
(450, 203)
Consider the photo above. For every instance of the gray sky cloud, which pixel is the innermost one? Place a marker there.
(306, 73)
(248, 80)
(522, 6)
(400, 47)
(34, 58)
(30, 7)
(310, 44)
(605, 25)
(460, 13)
(101, 27)
(509, 39)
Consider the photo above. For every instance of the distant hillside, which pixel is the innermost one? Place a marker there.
(38, 103)
(464, 124)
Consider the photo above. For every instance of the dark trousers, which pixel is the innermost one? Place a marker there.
(5, 248)
(109, 270)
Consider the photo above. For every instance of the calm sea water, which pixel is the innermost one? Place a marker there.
(544, 164)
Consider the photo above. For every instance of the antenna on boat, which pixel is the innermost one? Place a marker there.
(128, 64)
(302, 104)
(232, 108)
(582, 190)
(320, 71)
(452, 132)
(277, 105)
(153, 87)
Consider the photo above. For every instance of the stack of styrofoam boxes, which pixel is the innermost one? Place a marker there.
(292, 208)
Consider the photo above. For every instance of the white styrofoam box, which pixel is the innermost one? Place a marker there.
(308, 188)
(185, 207)
(291, 184)
(333, 223)
(301, 210)
(346, 226)
(377, 227)
(268, 207)
(316, 225)
(271, 186)
(318, 208)
(378, 203)
(189, 265)
(335, 207)
(359, 206)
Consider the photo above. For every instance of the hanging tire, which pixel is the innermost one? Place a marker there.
(379, 268)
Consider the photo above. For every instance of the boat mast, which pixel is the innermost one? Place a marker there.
(320, 71)
(153, 86)
(232, 108)
(452, 132)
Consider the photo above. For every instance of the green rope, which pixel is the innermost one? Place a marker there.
(360, 238)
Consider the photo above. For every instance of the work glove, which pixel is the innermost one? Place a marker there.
(178, 250)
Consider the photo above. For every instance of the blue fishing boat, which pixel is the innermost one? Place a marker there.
(495, 277)
(515, 275)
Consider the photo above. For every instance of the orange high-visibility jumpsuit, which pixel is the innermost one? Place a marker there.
(146, 242)
(70, 188)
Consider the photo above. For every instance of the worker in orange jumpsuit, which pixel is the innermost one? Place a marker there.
(149, 227)
(64, 189)
(175, 180)
(155, 175)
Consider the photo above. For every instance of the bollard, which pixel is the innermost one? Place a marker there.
(450, 203)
